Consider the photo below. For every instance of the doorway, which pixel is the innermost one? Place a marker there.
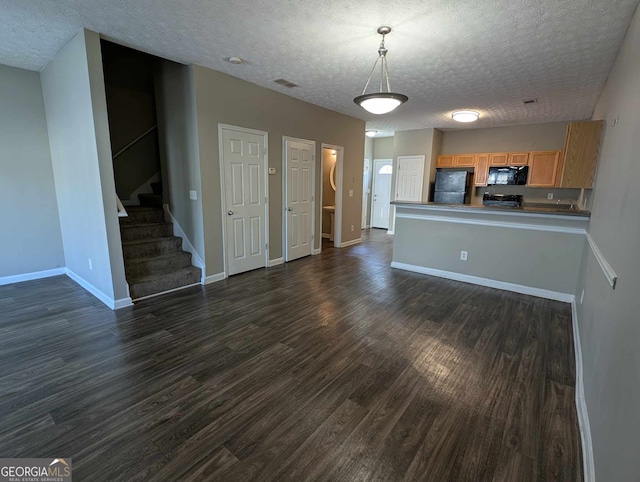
(366, 192)
(381, 193)
(331, 186)
(244, 192)
(299, 197)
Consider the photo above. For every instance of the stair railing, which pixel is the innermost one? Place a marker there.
(135, 141)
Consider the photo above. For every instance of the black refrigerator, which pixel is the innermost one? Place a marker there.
(452, 187)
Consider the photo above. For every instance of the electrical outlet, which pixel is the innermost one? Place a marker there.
(582, 297)
(550, 195)
(463, 255)
(193, 195)
(352, 228)
(90, 265)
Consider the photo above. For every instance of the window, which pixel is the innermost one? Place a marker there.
(387, 169)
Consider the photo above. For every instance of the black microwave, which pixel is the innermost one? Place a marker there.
(514, 175)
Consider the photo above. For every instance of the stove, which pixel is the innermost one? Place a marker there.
(505, 200)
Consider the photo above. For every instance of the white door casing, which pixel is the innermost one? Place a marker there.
(409, 178)
(299, 197)
(366, 178)
(382, 170)
(245, 196)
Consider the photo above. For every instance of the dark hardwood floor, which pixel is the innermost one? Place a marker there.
(333, 367)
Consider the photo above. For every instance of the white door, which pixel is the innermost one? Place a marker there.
(366, 181)
(409, 178)
(245, 200)
(299, 169)
(382, 170)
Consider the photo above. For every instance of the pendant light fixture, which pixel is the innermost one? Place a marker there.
(380, 102)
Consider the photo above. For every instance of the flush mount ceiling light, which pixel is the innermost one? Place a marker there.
(370, 132)
(465, 116)
(234, 60)
(380, 102)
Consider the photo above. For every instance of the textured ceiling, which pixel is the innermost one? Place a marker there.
(444, 54)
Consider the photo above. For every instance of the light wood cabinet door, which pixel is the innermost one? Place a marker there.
(444, 161)
(499, 159)
(543, 168)
(482, 170)
(518, 158)
(581, 150)
(464, 160)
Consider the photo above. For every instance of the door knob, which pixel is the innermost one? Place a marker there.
(230, 213)
(289, 209)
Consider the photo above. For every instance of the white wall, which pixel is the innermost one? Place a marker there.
(75, 105)
(609, 320)
(31, 239)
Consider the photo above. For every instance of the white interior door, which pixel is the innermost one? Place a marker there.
(409, 178)
(299, 192)
(382, 170)
(366, 182)
(245, 200)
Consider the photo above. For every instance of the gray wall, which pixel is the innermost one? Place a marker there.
(608, 319)
(538, 259)
(224, 99)
(31, 239)
(178, 132)
(383, 148)
(75, 105)
(533, 137)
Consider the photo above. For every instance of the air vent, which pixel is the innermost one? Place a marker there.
(530, 101)
(285, 83)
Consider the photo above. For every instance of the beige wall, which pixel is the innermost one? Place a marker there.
(609, 319)
(31, 239)
(534, 137)
(328, 194)
(76, 111)
(224, 99)
(383, 148)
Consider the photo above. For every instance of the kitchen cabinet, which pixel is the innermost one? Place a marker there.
(518, 158)
(499, 159)
(582, 146)
(543, 168)
(444, 161)
(481, 171)
(464, 160)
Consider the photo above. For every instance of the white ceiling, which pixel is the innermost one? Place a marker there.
(444, 54)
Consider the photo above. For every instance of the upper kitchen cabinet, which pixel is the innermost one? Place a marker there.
(464, 160)
(499, 159)
(518, 158)
(444, 161)
(543, 168)
(581, 149)
(481, 169)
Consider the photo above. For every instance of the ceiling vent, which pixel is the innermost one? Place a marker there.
(530, 101)
(286, 83)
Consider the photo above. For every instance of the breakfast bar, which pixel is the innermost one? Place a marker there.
(532, 250)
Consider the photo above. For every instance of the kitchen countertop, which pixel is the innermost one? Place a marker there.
(528, 208)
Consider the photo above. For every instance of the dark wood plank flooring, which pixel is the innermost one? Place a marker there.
(333, 367)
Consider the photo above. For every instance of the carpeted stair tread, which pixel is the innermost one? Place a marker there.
(142, 248)
(150, 200)
(152, 284)
(142, 214)
(133, 242)
(150, 265)
(145, 230)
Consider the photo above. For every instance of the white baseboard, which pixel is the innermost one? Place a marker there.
(196, 260)
(501, 285)
(214, 278)
(326, 236)
(107, 300)
(351, 243)
(276, 262)
(19, 278)
(389, 231)
(581, 403)
(317, 251)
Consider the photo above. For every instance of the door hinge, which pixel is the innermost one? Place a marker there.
(266, 200)
(266, 246)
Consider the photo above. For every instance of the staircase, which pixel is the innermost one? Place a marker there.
(153, 258)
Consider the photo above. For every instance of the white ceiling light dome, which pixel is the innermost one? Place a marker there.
(370, 132)
(465, 116)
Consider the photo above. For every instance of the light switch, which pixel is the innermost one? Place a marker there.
(272, 170)
(350, 192)
(193, 195)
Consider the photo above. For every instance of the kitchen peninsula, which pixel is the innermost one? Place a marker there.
(531, 250)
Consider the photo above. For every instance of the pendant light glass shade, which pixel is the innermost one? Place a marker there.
(380, 102)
